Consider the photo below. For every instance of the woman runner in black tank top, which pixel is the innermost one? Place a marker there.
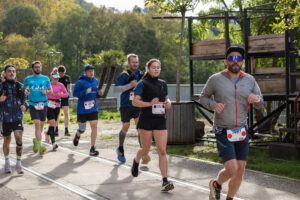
(151, 95)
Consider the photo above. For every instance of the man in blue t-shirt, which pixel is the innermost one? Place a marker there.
(37, 86)
(125, 84)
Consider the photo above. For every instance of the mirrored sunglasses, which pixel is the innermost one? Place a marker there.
(233, 58)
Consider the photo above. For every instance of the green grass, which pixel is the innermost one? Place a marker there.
(106, 137)
(109, 115)
(258, 159)
(27, 118)
(103, 115)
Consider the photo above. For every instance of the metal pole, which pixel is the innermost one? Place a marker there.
(287, 78)
(227, 30)
(190, 33)
(292, 61)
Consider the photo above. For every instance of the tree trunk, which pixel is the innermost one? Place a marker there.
(179, 58)
(110, 80)
(102, 78)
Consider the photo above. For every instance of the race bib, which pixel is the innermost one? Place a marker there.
(39, 106)
(235, 135)
(158, 109)
(89, 104)
(131, 95)
(52, 104)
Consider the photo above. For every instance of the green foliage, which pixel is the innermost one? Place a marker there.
(70, 35)
(83, 4)
(172, 6)
(22, 20)
(109, 115)
(291, 9)
(19, 63)
(27, 118)
(1, 35)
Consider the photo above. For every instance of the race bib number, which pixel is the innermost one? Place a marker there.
(131, 95)
(158, 109)
(52, 104)
(89, 104)
(236, 135)
(39, 106)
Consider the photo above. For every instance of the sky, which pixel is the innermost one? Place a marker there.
(129, 4)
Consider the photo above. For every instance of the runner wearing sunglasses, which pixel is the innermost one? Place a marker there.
(233, 91)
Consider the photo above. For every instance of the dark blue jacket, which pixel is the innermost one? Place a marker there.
(83, 98)
(124, 78)
(15, 93)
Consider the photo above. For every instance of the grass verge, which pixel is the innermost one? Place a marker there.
(258, 159)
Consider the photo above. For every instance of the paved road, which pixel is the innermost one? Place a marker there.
(70, 173)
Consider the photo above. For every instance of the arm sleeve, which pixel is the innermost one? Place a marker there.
(78, 91)
(122, 88)
(207, 92)
(122, 84)
(139, 89)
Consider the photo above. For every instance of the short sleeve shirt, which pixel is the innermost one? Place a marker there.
(35, 84)
(66, 80)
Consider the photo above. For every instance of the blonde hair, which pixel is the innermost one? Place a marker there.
(132, 55)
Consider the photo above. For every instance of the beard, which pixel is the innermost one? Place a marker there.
(234, 68)
(37, 72)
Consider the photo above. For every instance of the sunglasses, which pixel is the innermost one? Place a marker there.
(233, 58)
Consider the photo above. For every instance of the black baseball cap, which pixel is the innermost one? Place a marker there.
(235, 48)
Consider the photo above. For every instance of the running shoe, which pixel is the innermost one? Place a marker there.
(121, 156)
(7, 168)
(215, 190)
(19, 169)
(42, 150)
(135, 168)
(167, 186)
(54, 147)
(76, 140)
(35, 146)
(146, 159)
(94, 152)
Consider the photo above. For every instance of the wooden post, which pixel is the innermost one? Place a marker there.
(181, 123)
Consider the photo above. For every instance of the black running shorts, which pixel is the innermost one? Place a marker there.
(38, 114)
(53, 113)
(82, 118)
(9, 127)
(64, 101)
(154, 123)
(127, 113)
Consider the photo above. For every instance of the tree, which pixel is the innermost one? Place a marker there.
(70, 34)
(109, 60)
(290, 8)
(22, 20)
(19, 63)
(175, 6)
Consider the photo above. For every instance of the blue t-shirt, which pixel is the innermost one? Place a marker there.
(123, 79)
(35, 84)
